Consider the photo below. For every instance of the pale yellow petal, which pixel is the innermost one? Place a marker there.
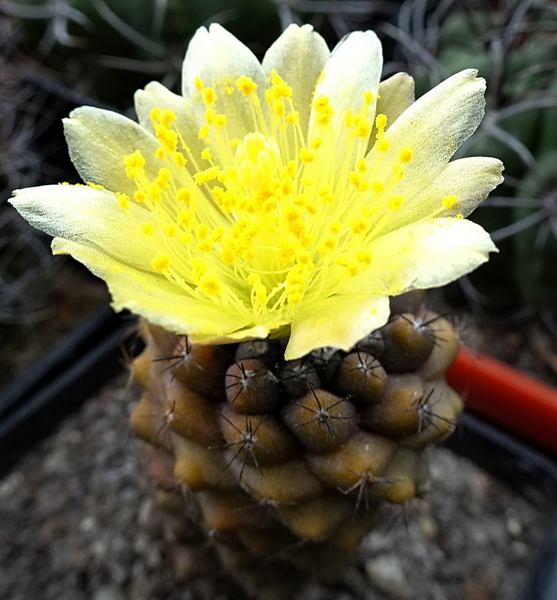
(338, 321)
(396, 94)
(423, 255)
(470, 180)
(155, 95)
(243, 335)
(151, 295)
(99, 139)
(353, 69)
(218, 59)
(299, 55)
(432, 128)
(86, 215)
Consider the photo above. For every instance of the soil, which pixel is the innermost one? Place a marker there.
(78, 521)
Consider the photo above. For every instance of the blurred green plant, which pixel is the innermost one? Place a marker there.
(513, 44)
(107, 49)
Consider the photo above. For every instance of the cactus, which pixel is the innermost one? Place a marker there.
(283, 467)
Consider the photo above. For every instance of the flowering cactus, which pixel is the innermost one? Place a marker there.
(295, 195)
(292, 197)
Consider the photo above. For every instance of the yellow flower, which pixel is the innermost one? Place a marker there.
(293, 195)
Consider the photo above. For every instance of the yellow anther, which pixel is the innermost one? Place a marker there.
(139, 196)
(134, 164)
(270, 205)
(204, 246)
(405, 155)
(361, 165)
(246, 85)
(335, 227)
(383, 145)
(179, 159)
(323, 109)
(363, 257)
(147, 228)
(327, 245)
(321, 102)
(279, 108)
(204, 131)
(227, 255)
(449, 201)
(304, 258)
(381, 121)
(159, 153)
(286, 252)
(299, 229)
(155, 115)
(183, 195)
(206, 154)
(307, 181)
(154, 192)
(287, 187)
(217, 235)
(316, 143)
(123, 201)
(291, 169)
(202, 231)
(292, 215)
(184, 238)
(280, 89)
(362, 127)
(163, 177)
(306, 156)
(359, 226)
(207, 175)
(170, 230)
(276, 79)
(221, 121)
(167, 117)
(349, 118)
(235, 142)
(355, 179)
(368, 98)
(395, 202)
(294, 297)
(198, 83)
(185, 219)
(168, 139)
(95, 186)
(248, 254)
(199, 268)
(377, 186)
(208, 95)
(350, 266)
(210, 116)
(161, 262)
(292, 118)
(210, 285)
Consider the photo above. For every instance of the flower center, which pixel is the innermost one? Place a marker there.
(283, 215)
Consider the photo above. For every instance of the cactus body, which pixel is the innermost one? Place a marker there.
(282, 467)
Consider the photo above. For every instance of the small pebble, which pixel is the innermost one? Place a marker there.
(386, 573)
(109, 593)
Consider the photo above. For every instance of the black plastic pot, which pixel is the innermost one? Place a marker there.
(59, 383)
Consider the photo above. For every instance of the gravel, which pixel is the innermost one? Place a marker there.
(78, 522)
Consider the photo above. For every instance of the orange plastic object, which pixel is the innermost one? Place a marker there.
(507, 396)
